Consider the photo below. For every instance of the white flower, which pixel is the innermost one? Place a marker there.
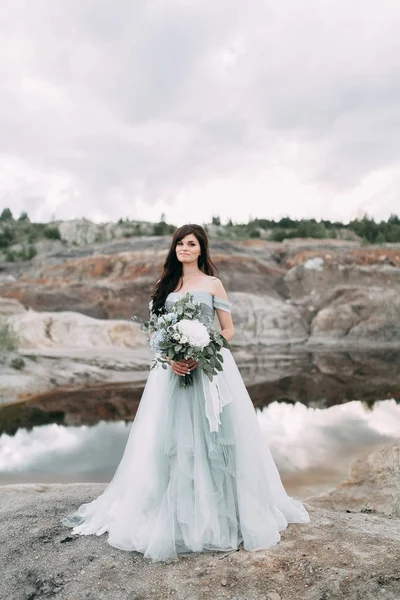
(194, 332)
(157, 337)
(176, 336)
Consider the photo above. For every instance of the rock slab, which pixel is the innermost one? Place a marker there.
(342, 554)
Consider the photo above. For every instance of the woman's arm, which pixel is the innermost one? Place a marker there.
(224, 317)
(225, 320)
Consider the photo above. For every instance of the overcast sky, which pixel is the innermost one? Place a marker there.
(194, 108)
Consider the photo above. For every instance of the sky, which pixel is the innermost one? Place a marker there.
(197, 108)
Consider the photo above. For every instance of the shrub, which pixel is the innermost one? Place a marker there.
(52, 233)
(6, 215)
(31, 252)
(27, 253)
(380, 238)
(9, 339)
(162, 228)
(17, 363)
(278, 235)
(10, 256)
(6, 238)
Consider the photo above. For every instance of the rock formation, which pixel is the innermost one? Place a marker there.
(76, 301)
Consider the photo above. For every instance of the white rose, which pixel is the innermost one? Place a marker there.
(195, 332)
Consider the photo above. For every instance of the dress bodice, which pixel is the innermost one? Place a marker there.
(212, 302)
(208, 303)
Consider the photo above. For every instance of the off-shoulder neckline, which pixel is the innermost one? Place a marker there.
(198, 292)
(192, 292)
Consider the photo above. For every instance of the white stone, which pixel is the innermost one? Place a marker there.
(316, 263)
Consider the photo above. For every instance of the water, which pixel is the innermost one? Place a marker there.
(318, 412)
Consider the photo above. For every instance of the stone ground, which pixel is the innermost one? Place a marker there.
(343, 553)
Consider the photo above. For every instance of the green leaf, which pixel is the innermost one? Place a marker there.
(177, 347)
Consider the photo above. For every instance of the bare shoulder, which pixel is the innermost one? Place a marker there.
(218, 288)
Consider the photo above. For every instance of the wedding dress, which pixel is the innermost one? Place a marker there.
(197, 474)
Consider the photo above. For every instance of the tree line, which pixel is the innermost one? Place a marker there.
(18, 236)
(366, 228)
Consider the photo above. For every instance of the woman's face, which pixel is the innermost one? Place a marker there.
(188, 249)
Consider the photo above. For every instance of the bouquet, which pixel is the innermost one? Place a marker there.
(180, 334)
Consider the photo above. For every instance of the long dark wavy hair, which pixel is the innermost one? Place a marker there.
(173, 267)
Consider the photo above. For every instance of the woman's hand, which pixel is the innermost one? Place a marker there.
(183, 367)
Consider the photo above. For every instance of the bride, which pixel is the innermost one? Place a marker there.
(197, 474)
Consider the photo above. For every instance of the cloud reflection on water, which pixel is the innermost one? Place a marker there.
(300, 438)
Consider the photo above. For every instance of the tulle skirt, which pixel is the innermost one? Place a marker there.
(196, 475)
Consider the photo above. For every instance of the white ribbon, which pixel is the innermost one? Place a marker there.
(213, 402)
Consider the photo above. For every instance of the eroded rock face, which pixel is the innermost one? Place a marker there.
(298, 294)
(283, 293)
(316, 277)
(8, 307)
(266, 320)
(119, 285)
(346, 297)
(367, 314)
(38, 330)
(373, 484)
(345, 552)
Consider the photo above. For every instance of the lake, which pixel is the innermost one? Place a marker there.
(318, 411)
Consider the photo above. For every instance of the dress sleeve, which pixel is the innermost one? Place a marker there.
(222, 304)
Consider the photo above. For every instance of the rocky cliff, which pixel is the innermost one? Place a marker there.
(291, 291)
(72, 301)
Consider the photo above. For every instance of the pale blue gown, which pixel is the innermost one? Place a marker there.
(197, 474)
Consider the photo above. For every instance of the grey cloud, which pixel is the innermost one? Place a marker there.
(80, 78)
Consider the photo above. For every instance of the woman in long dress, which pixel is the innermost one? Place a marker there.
(197, 474)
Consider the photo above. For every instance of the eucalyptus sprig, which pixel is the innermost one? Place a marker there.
(168, 344)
